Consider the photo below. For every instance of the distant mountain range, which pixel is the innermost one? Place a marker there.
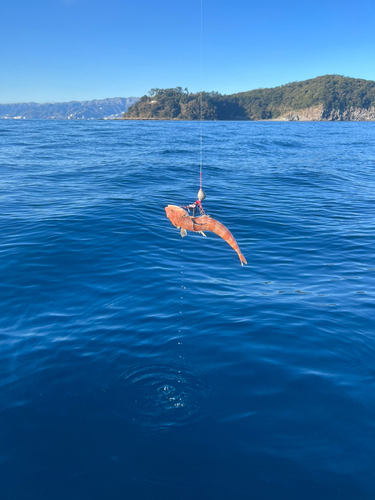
(325, 98)
(74, 110)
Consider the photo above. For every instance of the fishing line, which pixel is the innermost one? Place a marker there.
(201, 146)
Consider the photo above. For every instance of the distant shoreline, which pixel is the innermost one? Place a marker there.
(325, 98)
(73, 110)
(180, 120)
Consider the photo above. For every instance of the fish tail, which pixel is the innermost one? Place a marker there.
(242, 258)
(218, 228)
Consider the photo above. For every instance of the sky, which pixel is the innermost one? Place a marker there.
(64, 50)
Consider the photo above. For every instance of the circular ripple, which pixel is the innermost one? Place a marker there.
(159, 397)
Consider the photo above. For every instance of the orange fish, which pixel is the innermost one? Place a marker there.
(181, 219)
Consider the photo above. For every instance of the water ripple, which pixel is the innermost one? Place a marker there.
(159, 397)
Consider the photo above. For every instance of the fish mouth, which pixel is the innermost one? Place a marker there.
(174, 212)
(169, 214)
(169, 209)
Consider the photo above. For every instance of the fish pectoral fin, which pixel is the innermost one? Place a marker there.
(202, 233)
(183, 232)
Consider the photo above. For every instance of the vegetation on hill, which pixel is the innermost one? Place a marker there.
(179, 104)
(333, 92)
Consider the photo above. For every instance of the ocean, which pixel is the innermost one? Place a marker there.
(136, 364)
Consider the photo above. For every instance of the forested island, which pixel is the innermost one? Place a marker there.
(325, 98)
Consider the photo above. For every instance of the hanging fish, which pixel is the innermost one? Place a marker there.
(181, 219)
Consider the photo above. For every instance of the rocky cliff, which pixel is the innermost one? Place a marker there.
(319, 113)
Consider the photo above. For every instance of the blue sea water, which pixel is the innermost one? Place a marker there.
(135, 364)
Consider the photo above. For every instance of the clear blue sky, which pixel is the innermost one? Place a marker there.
(59, 50)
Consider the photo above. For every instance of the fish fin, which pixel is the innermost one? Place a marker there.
(242, 259)
(202, 233)
(183, 232)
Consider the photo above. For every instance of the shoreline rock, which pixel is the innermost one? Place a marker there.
(318, 113)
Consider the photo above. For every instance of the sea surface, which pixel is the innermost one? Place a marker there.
(139, 365)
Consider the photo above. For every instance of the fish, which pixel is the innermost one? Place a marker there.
(182, 220)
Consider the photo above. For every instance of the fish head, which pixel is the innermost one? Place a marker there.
(175, 213)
